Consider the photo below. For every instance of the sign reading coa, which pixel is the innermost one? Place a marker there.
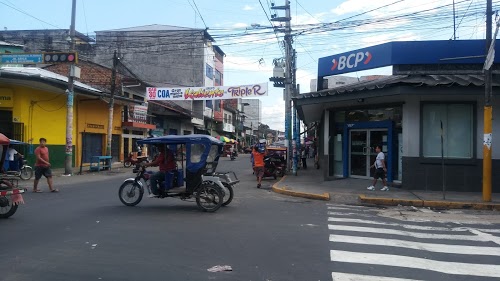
(208, 93)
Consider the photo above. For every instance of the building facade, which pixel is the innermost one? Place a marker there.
(417, 113)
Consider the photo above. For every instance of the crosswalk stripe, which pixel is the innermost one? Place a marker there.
(410, 226)
(457, 268)
(431, 247)
(348, 208)
(408, 233)
(351, 214)
(340, 276)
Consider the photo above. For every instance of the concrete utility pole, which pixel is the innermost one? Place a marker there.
(288, 77)
(487, 144)
(112, 104)
(68, 161)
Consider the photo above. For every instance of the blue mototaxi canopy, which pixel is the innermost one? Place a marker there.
(16, 142)
(188, 140)
(176, 139)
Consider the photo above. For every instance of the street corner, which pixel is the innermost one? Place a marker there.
(285, 190)
(437, 204)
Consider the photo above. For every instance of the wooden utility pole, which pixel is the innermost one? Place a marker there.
(68, 161)
(487, 143)
(112, 104)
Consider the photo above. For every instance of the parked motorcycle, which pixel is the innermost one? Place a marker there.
(129, 161)
(25, 172)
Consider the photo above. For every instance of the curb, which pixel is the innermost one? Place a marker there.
(285, 191)
(429, 203)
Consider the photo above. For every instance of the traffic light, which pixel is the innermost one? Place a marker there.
(60, 57)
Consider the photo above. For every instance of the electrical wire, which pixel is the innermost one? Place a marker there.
(29, 15)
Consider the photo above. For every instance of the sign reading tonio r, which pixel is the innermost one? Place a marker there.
(405, 53)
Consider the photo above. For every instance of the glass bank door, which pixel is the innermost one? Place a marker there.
(362, 150)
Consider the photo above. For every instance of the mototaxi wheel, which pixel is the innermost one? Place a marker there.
(130, 193)
(228, 194)
(26, 173)
(209, 197)
(7, 208)
(127, 164)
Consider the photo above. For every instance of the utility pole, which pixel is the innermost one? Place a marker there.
(288, 77)
(112, 104)
(487, 144)
(296, 139)
(68, 161)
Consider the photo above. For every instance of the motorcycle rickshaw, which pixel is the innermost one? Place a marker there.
(199, 179)
(21, 168)
(10, 193)
(275, 161)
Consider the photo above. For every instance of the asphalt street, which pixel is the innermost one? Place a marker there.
(85, 233)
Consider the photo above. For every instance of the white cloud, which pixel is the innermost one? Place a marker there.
(352, 6)
(240, 25)
(248, 7)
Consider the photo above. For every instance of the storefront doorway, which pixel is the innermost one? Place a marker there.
(362, 153)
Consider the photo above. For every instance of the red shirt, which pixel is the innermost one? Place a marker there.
(258, 159)
(168, 164)
(44, 154)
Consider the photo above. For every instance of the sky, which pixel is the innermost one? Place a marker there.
(243, 31)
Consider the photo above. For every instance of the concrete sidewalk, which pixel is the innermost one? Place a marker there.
(309, 183)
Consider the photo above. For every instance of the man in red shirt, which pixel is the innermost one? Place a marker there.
(258, 164)
(42, 166)
(166, 161)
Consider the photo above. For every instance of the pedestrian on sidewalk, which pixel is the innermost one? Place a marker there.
(258, 164)
(380, 169)
(303, 156)
(42, 166)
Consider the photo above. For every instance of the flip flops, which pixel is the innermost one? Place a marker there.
(37, 191)
(55, 190)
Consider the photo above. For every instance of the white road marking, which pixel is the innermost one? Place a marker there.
(351, 214)
(458, 268)
(408, 233)
(350, 209)
(409, 226)
(486, 236)
(338, 276)
(438, 248)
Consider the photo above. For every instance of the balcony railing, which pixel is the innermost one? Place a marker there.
(138, 121)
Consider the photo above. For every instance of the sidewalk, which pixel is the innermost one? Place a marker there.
(309, 183)
(117, 170)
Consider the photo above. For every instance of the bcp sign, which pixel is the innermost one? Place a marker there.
(351, 61)
(357, 60)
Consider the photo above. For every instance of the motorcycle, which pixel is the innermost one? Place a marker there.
(129, 161)
(232, 155)
(10, 192)
(199, 180)
(25, 172)
(21, 168)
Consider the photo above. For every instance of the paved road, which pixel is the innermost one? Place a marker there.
(85, 233)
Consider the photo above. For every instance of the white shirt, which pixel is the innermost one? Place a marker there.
(10, 153)
(378, 161)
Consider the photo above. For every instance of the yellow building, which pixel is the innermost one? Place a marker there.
(33, 105)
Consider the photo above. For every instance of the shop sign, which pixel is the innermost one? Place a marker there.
(95, 126)
(139, 112)
(208, 93)
(6, 99)
(226, 127)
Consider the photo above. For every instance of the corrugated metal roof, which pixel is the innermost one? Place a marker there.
(151, 27)
(45, 74)
(409, 80)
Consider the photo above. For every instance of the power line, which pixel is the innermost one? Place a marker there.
(23, 12)
(198, 11)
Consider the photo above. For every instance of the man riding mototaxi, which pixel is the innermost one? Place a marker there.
(166, 161)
